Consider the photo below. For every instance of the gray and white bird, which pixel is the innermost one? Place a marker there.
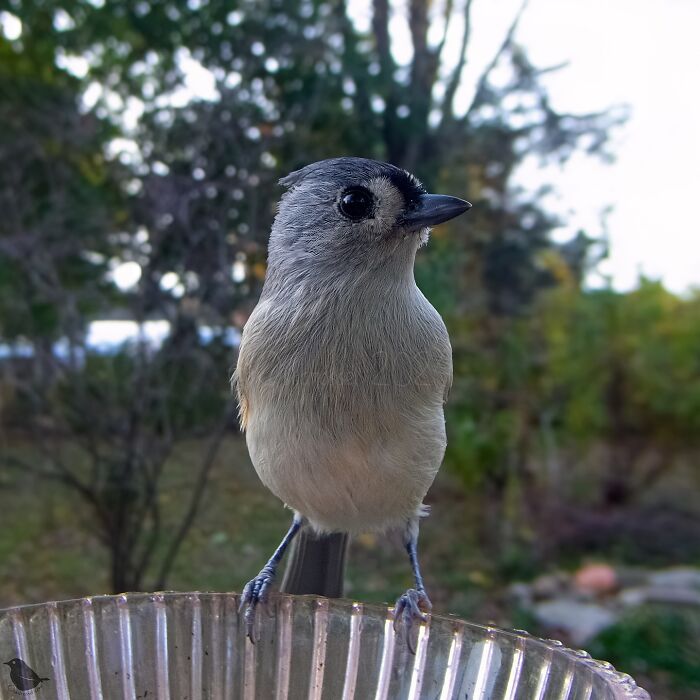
(344, 368)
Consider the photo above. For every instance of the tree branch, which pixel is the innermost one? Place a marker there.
(448, 16)
(380, 27)
(63, 476)
(195, 501)
(456, 78)
(483, 79)
(387, 68)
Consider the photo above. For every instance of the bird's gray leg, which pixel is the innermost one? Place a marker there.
(412, 606)
(256, 591)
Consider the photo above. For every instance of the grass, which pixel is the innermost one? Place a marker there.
(659, 646)
(48, 552)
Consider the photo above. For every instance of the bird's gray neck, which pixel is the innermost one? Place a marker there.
(389, 266)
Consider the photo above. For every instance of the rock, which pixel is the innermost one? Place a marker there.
(669, 595)
(679, 577)
(596, 579)
(673, 595)
(549, 585)
(632, 597)
(521, 593)
(579, 621)
(629, 577)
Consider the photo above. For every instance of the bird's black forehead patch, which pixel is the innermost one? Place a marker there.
(347, 172)
(408, 184)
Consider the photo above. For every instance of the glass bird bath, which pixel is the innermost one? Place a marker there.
(192, 646)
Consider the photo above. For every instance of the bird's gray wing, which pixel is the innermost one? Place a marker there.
(243, 374)
(448, 386)
(449, 373)
(238, 388)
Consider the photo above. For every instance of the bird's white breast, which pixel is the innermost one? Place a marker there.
(345, 419)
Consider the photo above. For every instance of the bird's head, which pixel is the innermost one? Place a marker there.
(356, 211)
(13, 662)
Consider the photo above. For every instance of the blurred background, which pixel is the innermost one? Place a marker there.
(140, 146)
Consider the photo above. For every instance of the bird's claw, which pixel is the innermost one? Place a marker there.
(256, 591)
(410, 610)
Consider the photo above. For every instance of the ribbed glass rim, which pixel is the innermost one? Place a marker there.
(621, 684)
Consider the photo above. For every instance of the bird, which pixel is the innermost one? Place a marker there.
(22, 676)
(343, 371)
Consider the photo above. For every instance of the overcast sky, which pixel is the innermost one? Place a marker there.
(645, 53)
(642, 53)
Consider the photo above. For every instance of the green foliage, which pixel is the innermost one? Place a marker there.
(661, 337)
(295, 81)
(59, 195)
(596, 365)
(181, 393)
(663, 642)
(544, 369)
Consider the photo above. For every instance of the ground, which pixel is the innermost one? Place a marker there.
(47, 551)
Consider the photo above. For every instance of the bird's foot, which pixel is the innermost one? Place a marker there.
(410, 610)
(256, 591)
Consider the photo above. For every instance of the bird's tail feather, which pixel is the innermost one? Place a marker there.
(316, 564)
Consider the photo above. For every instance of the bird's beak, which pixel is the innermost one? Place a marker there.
(433, 209)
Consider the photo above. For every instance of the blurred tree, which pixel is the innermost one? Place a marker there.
(195, 108)
(291, 81)
(102, 426)
(60, 196)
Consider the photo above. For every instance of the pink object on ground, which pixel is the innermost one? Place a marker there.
(596, 578)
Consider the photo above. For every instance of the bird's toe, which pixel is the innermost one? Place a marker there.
(410, 610)
(255, 591)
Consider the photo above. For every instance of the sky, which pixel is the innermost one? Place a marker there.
(646, 54)
(641, 53)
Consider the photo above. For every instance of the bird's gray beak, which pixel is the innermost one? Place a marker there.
(433, 209)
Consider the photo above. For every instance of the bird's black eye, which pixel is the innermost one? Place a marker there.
(356, 203)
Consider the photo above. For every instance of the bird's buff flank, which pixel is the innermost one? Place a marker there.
(344, 365)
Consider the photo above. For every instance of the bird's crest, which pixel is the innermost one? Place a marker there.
(345, 168)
